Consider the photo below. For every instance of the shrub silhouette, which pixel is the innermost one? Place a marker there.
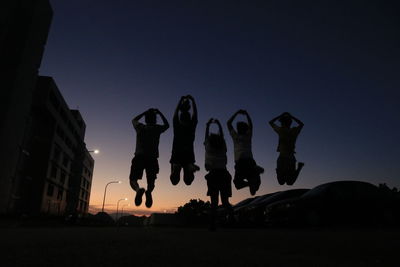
(195, 212)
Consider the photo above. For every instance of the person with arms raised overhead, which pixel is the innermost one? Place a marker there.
(146, 153)
(218, 178)
(182, 148)
(247, 172)
(286, 164)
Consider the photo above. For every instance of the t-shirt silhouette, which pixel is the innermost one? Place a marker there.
(215, 157)
(148, 138)
(287, 139)
(182, 146)
(242, 144)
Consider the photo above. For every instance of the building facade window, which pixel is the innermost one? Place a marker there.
(63, 176)
(56, 153)
(68, 142)
(60, 132)
(65, 160)
(53, 171)
(60, 193)
(50, 190)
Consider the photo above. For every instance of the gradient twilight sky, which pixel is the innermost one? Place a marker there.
(335, 66)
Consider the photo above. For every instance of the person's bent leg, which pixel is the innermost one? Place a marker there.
(253, 174)
(213, 212)
(151, 183)
(240, 183)
(175, 173)
(254, 184)
(134, 184)
(239, 177)
(152, 170)
(295, 174)
(229, 209)
(300, 166)
(226, 204)
(225, 193)
(193, 167)
(150, 187)
(280, 170)
(292, 171)
(135, 175)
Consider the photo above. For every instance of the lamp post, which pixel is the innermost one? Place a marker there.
(122, 209)
(105, 191)
(96, 151)
(116, 216)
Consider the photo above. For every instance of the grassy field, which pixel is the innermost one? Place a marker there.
(84, 246)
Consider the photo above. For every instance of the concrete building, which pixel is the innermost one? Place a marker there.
(45, 166)
(60, 168)
(24, 26)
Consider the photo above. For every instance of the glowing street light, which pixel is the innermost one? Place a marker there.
(105, 191)
(96, 151)
(116, 216)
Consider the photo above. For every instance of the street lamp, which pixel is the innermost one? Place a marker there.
(122, 209)
(96, 151)
(105, 191)
(116, 216)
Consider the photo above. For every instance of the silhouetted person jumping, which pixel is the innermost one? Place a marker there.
(286, 164)
(146, 153)
(218, 177)
(247, 172)
(182, 148)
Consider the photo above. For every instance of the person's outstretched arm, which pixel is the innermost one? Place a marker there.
(176, 113)
(229, 123)
(165, 125)
(273, 121)
(221, 132)
(299, 122)
(194, 107)
(208, 129)
(135, 120)
(249, 121)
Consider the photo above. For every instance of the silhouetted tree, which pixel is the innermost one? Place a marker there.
(387, 189)
(194, 212)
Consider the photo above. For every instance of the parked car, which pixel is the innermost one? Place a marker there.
(225, 218)
(240, 211)
(253, 212)
(243, 203)
(341, 202)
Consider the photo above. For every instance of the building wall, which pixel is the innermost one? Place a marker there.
(84, 174)
(86, 184)
(23, 34)
(59, 154)
(46, 167)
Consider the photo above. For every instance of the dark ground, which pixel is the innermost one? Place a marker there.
(85, 246)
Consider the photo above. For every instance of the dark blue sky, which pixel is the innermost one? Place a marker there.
(335, 66)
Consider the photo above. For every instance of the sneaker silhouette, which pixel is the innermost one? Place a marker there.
(149, 199)
(195, 168)
(139, 195)
(175, 178)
